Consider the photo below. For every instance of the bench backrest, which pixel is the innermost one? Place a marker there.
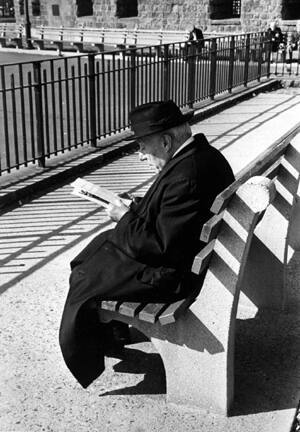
(273, 247)
(93, 35)
(11, 31)
(50, 33)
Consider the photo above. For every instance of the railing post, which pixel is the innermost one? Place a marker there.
(259, 58)
(213, 68)
(39, 113)
(191, 73)
(27, 26)
(231, 63)
(247, 58)
(92, 99)
(166, 73)
(132, 79)
(268, 53)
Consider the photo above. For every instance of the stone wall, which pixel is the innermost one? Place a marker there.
(67, 13)
(161, 14)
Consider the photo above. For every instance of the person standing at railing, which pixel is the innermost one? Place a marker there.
(276, 39)
(195, 38)
(292, 40)
(196, 35)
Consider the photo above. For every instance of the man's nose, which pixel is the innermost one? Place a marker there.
(142, 157)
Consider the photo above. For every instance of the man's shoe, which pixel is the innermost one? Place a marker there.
(121, 332)
(115, 335)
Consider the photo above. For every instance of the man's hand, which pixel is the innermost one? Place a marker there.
(117, 210)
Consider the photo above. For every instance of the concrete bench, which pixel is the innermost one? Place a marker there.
(73, 38)
(249, 266)
(93, 39)
(11, 35)
(195, 336)
(46, 37)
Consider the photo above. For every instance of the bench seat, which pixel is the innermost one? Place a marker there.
(164, 313)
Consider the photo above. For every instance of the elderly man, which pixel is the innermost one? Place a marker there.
(149, 253)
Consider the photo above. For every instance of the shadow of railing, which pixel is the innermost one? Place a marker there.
(34, 234)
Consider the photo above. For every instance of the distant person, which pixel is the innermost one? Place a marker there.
(196, 35)
(275, 36)
(291, 45)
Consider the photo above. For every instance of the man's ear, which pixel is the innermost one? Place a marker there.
(167, 142)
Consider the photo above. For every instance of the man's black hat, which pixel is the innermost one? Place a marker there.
(154, 117)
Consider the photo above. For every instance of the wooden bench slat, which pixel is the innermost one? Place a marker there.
(292, 155)
(109, 305)
(174, 310)
(151, 312)
(211, 228)
(273, 170)
(202, 259)
(287, 180)
(130, 309)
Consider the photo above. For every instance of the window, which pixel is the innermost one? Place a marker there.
(236, 8)
(84, 7)
(21, 7)
(55, 10)
(224, 9)
(126, 8)
(36, 7)
(7, 8)
(290, 10)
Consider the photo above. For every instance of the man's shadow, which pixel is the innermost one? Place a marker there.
(136, 361)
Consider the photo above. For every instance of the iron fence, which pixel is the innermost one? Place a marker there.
(285, 61)
(50, 106)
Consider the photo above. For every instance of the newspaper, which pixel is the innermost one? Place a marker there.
(97, 194)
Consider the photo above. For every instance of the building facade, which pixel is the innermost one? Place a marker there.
(210, 15)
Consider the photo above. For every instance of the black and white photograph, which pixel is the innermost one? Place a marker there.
(150, 216)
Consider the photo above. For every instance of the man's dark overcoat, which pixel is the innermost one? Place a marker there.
(146, 255)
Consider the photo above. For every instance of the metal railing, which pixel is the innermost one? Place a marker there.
(286, 61)
(50, 106)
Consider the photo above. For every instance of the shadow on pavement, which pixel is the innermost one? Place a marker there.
(266, 360)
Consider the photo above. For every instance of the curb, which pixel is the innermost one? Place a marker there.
(20, 191)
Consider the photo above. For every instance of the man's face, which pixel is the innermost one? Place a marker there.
(154, 150)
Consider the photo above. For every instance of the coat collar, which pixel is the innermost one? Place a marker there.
(199, 141)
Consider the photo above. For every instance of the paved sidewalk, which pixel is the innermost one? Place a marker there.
(38, 240)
